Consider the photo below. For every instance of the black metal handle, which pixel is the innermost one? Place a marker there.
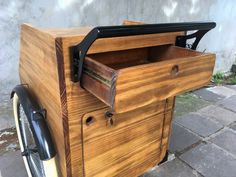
(80, 50)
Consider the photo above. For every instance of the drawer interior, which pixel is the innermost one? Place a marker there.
(133, 57)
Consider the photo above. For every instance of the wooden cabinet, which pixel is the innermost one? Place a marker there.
(131, 145)
(117, 121)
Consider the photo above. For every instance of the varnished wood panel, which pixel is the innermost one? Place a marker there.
(158, 81)
(128, 42)
(63, 96)
(75, 35)
(168, 119)
(38, 69)
(128, 22)
(145, 75)
(79, 102)
(132, 146)
(76, 31)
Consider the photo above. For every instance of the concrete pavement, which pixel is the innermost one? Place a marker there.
(203, 136)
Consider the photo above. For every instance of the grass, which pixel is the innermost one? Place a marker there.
(187, 103)
(218, 78)
(221, 79)
(232, 80)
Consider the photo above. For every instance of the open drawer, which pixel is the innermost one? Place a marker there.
(129, 79)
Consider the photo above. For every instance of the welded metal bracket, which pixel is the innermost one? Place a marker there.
(181, 41)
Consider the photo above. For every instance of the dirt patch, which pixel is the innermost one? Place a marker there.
(8, 140)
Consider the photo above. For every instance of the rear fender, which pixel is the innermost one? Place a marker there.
(37, 120)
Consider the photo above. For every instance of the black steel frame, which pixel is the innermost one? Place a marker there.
(80, 50)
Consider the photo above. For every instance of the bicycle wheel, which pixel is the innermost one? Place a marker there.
(35, 167)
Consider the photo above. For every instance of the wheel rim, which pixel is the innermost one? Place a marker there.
(29, 145)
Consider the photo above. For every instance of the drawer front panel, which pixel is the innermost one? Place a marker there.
(146, 75)
(146, 84)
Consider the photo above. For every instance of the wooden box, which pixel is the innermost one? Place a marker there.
(135, 78)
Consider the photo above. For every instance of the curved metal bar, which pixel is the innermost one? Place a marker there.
(37, 120)
(80, 50)
(181, 41)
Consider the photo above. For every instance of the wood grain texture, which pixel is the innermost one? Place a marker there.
(167, 126)
(96, 150)
(156, 81)
(145, 75)
(80, 101)
(63, 96)
(38, 69)
(132, 146)
(128, 22)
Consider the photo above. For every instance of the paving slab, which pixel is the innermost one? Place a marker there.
(226, 140)
(208, 95)
(6, 113)
(219, 114)
(232, 87)
(6, 121)
(233, 126)
(11, 164)
(229, 103)
(181, 138)
(174, 168)
(187, 103)
(223, 91)
(210, 161)
(203, 126)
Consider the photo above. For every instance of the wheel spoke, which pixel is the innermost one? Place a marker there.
(36, 164)
(23, 128)
(30, 149)
(27, 134)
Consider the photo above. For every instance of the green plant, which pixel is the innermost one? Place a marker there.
(218, 78)
(232, 80)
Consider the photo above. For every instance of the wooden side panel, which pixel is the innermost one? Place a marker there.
(132, 146)
(168, 119)
(128, 22)
(128, 42)
(38, 69)
(79, 102)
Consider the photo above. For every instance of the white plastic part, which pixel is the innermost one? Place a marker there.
(50, 168)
